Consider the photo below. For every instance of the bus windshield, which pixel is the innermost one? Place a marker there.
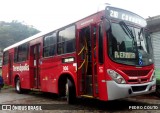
(129, 45)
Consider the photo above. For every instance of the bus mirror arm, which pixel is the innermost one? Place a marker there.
(108, 25)
(139, 34)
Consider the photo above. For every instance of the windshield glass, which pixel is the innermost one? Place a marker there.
(129, 45)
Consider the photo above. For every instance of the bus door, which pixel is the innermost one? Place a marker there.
(35, 74)
(10, 68)
(87, 67)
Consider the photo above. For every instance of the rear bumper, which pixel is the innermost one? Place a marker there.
(117, 91)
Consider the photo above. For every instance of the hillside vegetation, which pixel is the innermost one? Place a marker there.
(12, 32)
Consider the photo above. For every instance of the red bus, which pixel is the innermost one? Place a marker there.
(107, 55)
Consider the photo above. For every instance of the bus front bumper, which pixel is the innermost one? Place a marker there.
(117, 91)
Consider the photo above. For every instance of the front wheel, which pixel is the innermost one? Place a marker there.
(70, 92)
(18, 86)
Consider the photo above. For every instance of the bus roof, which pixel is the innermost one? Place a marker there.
(44, 33)
(25, 40)
(37, 35)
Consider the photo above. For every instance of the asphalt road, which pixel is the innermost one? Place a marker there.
(50, 103)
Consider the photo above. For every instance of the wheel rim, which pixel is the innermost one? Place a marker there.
(18, 85)
(67, 90)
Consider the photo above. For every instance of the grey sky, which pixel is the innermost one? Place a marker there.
(50, 14)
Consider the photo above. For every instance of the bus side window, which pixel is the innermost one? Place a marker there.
(22, 53)
(49, 45)
(100, 44)
(66, 40)
(5, 58)
(15, 54)
(94, 36)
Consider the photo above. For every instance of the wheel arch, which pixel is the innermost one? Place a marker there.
(62, 80)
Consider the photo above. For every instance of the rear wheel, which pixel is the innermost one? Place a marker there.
(70, 92)
(18, 86)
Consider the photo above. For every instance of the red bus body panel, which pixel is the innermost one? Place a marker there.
(50, 69)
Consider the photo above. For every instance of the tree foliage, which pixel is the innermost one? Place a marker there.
(12, 32)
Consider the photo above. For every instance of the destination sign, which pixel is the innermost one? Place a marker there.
(128, 55)
(112, 12)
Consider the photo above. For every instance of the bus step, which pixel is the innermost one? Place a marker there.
(34, 89)
(88, 96)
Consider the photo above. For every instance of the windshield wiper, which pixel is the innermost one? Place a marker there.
(126, 29)
(130, 34)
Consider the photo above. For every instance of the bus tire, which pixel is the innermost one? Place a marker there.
(18, 86)
(158, 91)
(70, 92)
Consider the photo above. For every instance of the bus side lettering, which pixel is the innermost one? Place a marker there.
(21, 68)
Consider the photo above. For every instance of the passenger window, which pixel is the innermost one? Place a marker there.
(21, 53)
(49, 47)
(100, 44)
(66, 40)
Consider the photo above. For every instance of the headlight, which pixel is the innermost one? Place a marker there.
(153, 77)
(116, 77)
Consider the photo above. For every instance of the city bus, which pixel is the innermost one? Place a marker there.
(107, 55)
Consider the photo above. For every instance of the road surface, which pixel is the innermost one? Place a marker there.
(59, 105)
